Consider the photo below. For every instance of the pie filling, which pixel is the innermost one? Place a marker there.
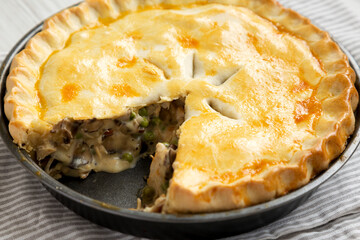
(76, 147)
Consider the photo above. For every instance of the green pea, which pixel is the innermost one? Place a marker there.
(78, 136)
(155, 121)
(148, 194)
(149, 136)
(132, 115)
(144, 123)
(127, 157)
(143, 112)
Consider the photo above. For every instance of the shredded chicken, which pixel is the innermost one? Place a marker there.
(161, 168)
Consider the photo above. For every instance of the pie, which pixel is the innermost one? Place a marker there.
(237, 101)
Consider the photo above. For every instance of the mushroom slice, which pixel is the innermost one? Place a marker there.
(82, 157)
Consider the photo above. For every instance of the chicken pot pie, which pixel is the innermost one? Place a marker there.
(238, 101)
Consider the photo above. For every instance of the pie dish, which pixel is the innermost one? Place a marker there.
(262, 98)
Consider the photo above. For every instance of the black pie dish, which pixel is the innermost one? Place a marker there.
(106, 198)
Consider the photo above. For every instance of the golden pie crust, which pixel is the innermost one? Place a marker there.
(269, 96)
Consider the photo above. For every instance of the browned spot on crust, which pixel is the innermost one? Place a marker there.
(252, 40)
(212, 72)
(121, 90)
(187, 41)
(41, 107)
(69, 92)
(126, 62)
(307, 109)
(106, 21)
(135, 35)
